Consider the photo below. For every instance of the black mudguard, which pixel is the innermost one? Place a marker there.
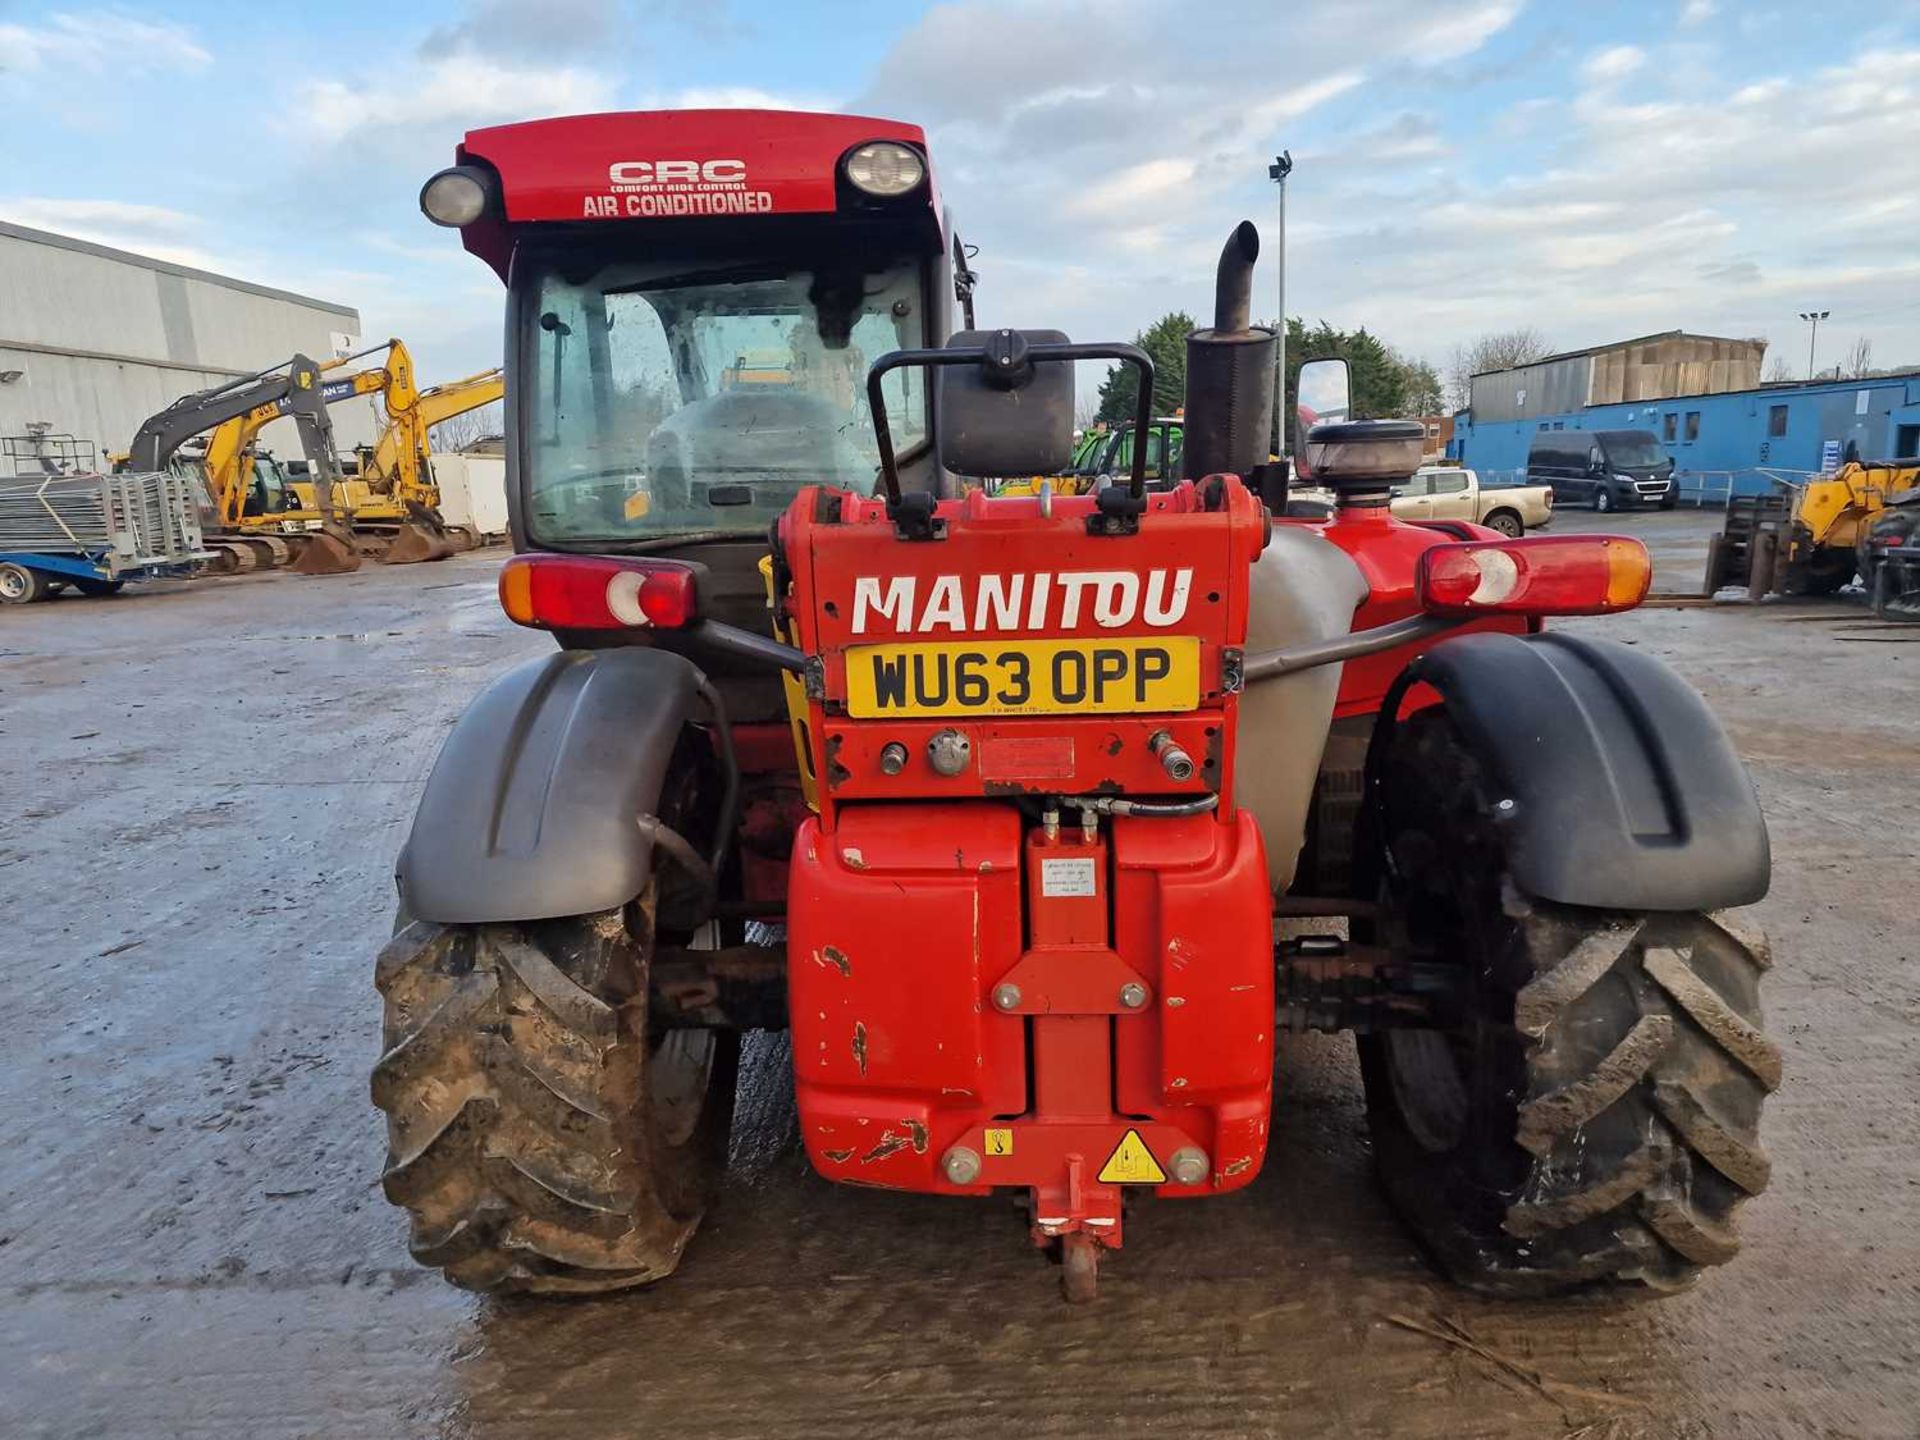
(1626, 792)
(532, 809)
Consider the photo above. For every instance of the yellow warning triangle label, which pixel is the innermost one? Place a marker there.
(1132, 1163)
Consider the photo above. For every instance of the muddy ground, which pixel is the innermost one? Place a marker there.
(204, 791)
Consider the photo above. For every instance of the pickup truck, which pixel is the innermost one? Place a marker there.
(1449, 492)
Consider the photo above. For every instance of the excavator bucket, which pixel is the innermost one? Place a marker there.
(423, 535)
(414, 543)
(326, 554)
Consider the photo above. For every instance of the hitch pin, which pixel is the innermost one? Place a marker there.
(1050, 823)
(1089, 824)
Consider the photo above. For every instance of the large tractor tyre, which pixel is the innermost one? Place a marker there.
(543, 1137)
(1593, 1116)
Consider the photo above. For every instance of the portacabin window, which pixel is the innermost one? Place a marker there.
(1669, 426)
(1776, 420)
(1693, 424)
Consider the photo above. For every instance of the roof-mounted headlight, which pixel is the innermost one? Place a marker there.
(885, 169)
(455, 197)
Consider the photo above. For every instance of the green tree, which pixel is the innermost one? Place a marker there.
(1386, 384)
(1165, 342)
(1425, 393)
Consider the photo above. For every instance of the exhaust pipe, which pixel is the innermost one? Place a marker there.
(1233, 281)
(1229, 420)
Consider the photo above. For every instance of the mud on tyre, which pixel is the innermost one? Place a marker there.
(543, 1138)
(1593, 1115)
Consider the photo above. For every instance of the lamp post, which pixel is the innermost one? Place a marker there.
(1813, 318)
(1278, 172)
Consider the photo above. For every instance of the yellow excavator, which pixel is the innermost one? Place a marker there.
(389, 509)
(397, 466)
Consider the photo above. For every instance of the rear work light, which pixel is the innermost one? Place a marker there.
(885, 169)
(1545, 575)
(595, 592)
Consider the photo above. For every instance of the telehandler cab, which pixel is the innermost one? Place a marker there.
(994, 802)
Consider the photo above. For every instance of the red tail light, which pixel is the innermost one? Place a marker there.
(597, 592)
(1544, 575)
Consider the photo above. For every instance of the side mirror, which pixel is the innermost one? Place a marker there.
(1324, 393)
(1020, 425)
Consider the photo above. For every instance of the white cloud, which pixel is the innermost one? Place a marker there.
(152, 230)
(738, 97)
(445, 96)
(1616, 62)
(98, 41)
(1137, 189)
(1697, 12)
(1094, 137)
(1715, 211)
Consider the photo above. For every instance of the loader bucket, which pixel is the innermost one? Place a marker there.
(413, 543)
(325, 554)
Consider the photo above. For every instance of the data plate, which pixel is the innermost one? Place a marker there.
(1023, 677)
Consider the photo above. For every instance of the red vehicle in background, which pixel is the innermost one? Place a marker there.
(994, 802)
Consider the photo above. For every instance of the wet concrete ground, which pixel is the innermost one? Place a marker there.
(205, 789)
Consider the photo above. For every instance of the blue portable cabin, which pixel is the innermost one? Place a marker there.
(1726, 432)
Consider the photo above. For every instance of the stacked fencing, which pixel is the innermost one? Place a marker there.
(120, 522)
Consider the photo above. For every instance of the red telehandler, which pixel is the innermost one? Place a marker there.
(994, 802)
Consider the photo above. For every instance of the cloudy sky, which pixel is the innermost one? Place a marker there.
(1596, 171)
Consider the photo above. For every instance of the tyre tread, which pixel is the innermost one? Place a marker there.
(517, 1139)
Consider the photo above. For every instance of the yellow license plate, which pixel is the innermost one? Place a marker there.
(1023, 677)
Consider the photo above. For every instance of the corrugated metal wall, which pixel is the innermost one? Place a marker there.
(1652, 369)
(1552, 387)
(148, 332)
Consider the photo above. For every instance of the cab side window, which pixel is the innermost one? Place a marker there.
(1156, 454)
(1413, 487)
(1450, 482)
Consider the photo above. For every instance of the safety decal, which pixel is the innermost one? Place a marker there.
(999, 1142)
(1132, 1163)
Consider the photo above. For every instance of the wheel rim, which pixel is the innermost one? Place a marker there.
(1507, 526)
(13, 583)
(1428, 1087)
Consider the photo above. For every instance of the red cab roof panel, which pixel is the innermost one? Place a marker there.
(664, 164)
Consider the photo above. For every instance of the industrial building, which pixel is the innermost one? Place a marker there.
(1702, 397)
(94, 340)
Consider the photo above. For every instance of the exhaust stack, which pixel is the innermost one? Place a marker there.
(1229, 419)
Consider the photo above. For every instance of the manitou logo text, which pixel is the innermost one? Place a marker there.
(1111, 599)
(644, 189)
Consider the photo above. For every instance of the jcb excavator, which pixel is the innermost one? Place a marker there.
(391, 507)
(397, 464)
(320, 543)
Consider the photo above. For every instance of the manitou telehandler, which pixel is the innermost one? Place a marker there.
(994, 802)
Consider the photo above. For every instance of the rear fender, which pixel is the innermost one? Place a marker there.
(1626, 793)
(536, 806)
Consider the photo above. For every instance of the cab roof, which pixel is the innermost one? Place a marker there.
(660, 164)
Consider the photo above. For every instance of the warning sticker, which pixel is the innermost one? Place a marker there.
(999, 1142)
(1067, 877)
(1132, 1163)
